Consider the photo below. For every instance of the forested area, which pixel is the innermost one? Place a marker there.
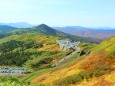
(13, 52)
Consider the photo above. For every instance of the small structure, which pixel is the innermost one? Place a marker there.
(67, 44)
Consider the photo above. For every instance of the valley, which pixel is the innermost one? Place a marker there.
(57, 42)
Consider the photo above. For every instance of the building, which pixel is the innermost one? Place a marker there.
(67, 44)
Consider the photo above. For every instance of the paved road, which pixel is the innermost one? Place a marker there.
(67, 57)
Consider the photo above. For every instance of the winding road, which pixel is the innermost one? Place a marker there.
(67, 57)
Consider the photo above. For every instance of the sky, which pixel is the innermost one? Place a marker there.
(88, 13)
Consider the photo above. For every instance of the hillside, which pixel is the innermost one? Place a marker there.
(97, 68)
(4, 29)
(35, 52)
(30, 50)
(97, 33)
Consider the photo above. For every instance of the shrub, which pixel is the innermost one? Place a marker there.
(71, 79)
(12, 81)
(42, 62)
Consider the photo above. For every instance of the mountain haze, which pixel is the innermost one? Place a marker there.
(18, 24)
(97, 33)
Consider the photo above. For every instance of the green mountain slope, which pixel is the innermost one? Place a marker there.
(5, 28)
(107, 47)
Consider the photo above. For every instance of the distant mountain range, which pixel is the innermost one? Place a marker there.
(18, 24)
(96, 33)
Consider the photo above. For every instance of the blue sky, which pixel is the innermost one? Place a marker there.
(89, 13)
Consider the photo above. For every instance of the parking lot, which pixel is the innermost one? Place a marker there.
(12, 70)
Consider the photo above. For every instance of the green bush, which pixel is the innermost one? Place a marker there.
(42, 62)
(71, 79)
(12, 81)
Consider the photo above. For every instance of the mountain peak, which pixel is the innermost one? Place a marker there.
(43, 28)
(43, 25)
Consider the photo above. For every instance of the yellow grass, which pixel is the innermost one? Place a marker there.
(110, 78)
(50, 77)
(105, 80)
